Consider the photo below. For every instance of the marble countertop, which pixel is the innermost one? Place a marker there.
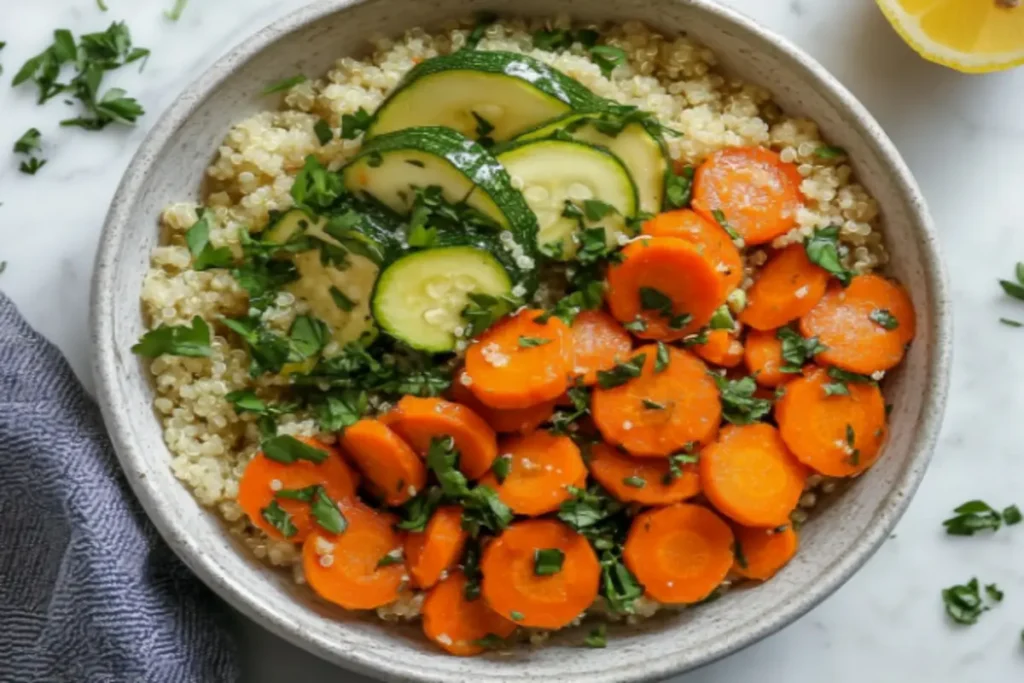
(963, 137)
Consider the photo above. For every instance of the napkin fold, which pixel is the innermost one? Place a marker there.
(89, 593)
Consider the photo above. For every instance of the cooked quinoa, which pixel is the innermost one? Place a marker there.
(675, 78)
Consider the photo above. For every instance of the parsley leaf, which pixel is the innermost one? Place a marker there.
(607, 57)
(175, 12)
(739, 405)
(661, 360)
(284, 84)
(547, 561)
(993, 592)
(323, 131)
(353, 125)
(823, 250)
(28, 142)
(483, 310)
(483, 20)
(246, 402)
(326, 513)
(679, 188)
(417, 511)
(972, 516)
(396, 556)
(621, 373)
(277, 517)
(342, 409)
(829, 152)
(579, 397)
(796, 350)
(341, 300)
(502, 467)
(531, 342)
(676, 462)
(884, 318)
(652, 405)
(635, 482)
(595, 209)
(963, 602)
(720, 218)
(204, 254)
(287, 449)
(31, 166)
(597, 638)
(315, 187)
(176, 340)
(1012, 515)
(652, 299)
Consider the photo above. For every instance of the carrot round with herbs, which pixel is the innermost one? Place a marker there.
(345, 568)
(458, 625)
(420, 420)
(680, 553)
(750, 476)
(716, 244)
(505, 421)
(722, 349)
(670, 403)
(664, 288)
(761, 553)
(835, 427)
(540, 573)
(762, 354)
(437, 548)
(540, 469)
(600, 342)
(270, 489)
(788, 287)
(644, 480)
(388, 463)
(751, 190)
(520, 362)
(866, 326)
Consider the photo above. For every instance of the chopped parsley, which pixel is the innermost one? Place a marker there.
(884, 318)
(661, 358)
(484, 128)
(287, 449)
(652, 299)
(854, 453)
(176, 340)
(823, 250)
(635, 482)
(607, 57)
(722, 319)
(964, 604)
(516, 615)
(502, 467)
(679, 188)
(739, 405)
(483, 20)
(482, 508)
(676, 462)
(353, 125)
(28, 144)
(720, 218)
(490, 641)
(341, 409)
(993, 592)
(323, 131)
(1012, 515)
(284, 84)
(637, 324)
(326, 513)
(340, 300)
(841, 379)
(483, 310)
(175, 12)
(972, 516)
(547, 561)
(830, 152)
(579, 398)
(316, 188)
(595, 209)
(796, 350)
(621, 373)
(653, 405)
(389, 558)
(1011, 323)
(204, 254)
(531, 342)
(277, 517)
(598, 637)
(417, 511)
(562, 39)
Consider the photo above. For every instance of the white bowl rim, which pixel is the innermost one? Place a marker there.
(238, 596)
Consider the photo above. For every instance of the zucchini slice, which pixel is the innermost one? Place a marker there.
(554, 172)
(419, 298)
(390, 167)
(509, 91)
(641, 151)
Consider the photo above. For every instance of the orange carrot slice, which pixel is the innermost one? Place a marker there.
(679, 553)
(837, 435)
(762, 354)
(457, 624)
(756, 192)
(520, 362)
(420, 420)
(344, 568)
(642, 480)
(667, 285)
(659, 413)
(788, 287)
(264, 479)
(393, 468)
(866, 326)
(722, 349)
(710, 238)
(512, 420)
(437, 548)
(600, 343)
(750, 476)
(761, 553)
(542, 467)
(513, 587)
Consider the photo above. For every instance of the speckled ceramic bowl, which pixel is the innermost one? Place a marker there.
(838, 540)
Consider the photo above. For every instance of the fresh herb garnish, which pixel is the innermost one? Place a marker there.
(340, 300)
(353, 125)
(417, 511)
(1011, 323)
(963, 601)
(993, 592)
(823, 249)
(326, 513)
(829, 152)
(851, 439)
(316, 187)
(652, 299)
(391, 557)
(484, 128)
(637, 324)
(490, 641)
(661, 358)
(722, 319)
(246, 402)
(176, 340)
(342, 409)
(515, 615)
(739, 405)
(277, 517)
(652, 405)
(1012, 515)
(531, 342)
(175, 12)
(482, 508)
(676, 462)
(28, 144)
(720, 218)
(635, 482)
(483, 310)
(796, 350)
(621, 373)
(972, 516)
(287, 449)
(679, 188)
(737, 553)
(595, 209)
(204, 254)
(607, 57)
(483, 20)
(579, 399)
(547, 561)
(884, 318)
(597, 638)
(502, 467)
(323, 131)
(284, 84)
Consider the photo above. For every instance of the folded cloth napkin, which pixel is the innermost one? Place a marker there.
(89, 593)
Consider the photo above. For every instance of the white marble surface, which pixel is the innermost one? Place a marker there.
(962, 136)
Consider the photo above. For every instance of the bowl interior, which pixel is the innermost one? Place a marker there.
(841, 535)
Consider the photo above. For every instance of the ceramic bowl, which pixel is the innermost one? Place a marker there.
(838, 540)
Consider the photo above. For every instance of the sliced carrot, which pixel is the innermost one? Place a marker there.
(757, 193)
(393, 468)
(853, 323)
(420, 420)
(437, 548)
(519, 362)
(679, 553)
(837, 435)
(458, 624)
(513, 588)
(600, 343)
(659, 413)
(788, 287)
(264, 478)
(760, 553)
(707, 235)
(511, 420)
(642, 480)
(343, 568)
(667, 285)
(750, 476)
(722, 349)
(762, 354)
(542, 467)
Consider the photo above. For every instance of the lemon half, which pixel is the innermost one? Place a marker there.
(974, 36)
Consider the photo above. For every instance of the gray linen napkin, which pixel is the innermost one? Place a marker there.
(88, 591)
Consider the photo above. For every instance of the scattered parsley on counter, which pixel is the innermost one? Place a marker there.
(972, 516)
(964, 603)
(28, 144)
(175, 12)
